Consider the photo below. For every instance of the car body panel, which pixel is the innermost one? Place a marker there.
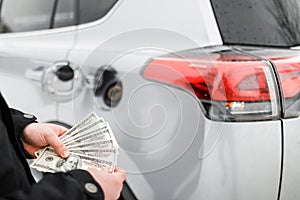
(24, 52)
(291, 159)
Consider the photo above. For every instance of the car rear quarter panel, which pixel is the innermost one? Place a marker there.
(170, 150)
(182, 155)
(291, 160)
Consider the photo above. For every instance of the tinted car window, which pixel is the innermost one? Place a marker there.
(65, 14)
(31, 15)
(25, 15)
(258, 22)
(94, 9)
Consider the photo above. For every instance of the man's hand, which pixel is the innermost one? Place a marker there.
(111, 183)
(39, 135)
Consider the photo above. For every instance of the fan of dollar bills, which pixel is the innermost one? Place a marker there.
(91, 143)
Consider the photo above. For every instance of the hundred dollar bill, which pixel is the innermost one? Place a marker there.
(101, 137)
(108, 156)
(95, 136)
(106, 144)
(49, 161)
(112, 136)
(91, 131)
(91, 126)
(91, 143)
(105, 154)
(91, 118)
(98, 152)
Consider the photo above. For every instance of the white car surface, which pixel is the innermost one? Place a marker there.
(134, 64)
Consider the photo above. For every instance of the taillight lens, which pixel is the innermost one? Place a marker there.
(231, 86)
(288, 68)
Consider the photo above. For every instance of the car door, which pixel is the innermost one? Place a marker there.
(35, 36)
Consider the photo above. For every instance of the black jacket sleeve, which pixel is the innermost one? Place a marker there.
(21, 120)
(73, 185)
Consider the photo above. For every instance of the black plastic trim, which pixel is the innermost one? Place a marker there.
(282, 161)
(52, 19)
(127, 193)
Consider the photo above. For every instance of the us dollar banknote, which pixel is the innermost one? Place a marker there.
(91, 143)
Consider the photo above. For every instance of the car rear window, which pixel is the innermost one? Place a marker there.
(258, 22)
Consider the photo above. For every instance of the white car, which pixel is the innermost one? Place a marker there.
(202, 96)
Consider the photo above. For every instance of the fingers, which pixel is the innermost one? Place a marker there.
(111, 183)
(119, 169)
(58, 146)
(62, 130)
(105, 169)
(39, 135)
(59, 130)
(120, 172)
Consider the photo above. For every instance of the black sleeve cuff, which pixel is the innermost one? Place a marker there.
(21, 120)
(91, 187)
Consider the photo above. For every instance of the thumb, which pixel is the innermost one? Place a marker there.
(57, 145)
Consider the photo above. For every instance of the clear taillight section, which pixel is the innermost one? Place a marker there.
(231, 86)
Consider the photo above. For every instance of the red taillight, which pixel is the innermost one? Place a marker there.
(213, 80)
(230, 85)
(289, 74)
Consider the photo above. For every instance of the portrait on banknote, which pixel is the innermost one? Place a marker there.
(67, 164)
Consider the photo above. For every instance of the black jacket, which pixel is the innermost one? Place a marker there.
(16, 181)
